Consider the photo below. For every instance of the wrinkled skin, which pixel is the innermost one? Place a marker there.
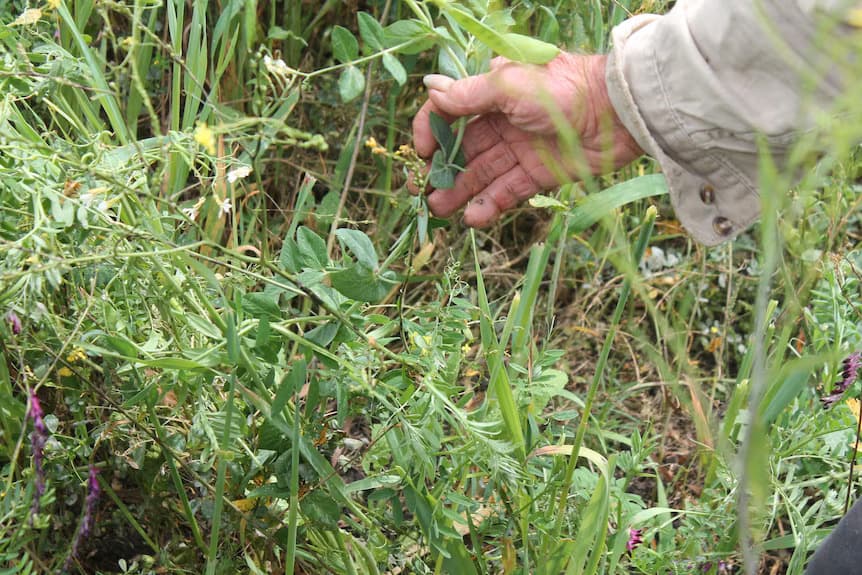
(512, 145)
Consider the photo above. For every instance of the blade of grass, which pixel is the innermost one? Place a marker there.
(640, 247)
(224, 447)
(499, 384)
(104, 95)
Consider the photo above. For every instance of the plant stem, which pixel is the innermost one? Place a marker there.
(292, 515)
(220, 478)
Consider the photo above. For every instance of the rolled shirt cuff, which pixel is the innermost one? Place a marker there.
(714, 202)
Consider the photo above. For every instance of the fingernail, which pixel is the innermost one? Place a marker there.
(437, 82)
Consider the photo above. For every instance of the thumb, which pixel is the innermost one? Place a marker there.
(466, 97)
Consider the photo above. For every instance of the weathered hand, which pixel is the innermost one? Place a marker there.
(512, 146)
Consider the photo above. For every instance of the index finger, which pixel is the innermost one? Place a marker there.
(452, 99)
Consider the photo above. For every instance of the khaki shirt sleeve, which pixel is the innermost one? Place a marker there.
(700, 85)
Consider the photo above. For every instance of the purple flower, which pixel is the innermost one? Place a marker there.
(93, 492)
(87, 522)
(721, 567)
(831, 399)
(850, 370)
(635, 539)
(14, 322)
(849, 373)
(38, 439)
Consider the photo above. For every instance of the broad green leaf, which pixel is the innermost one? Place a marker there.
(323, 335)
(360, 283)
(351, 83)
(371, 31)
(442, 132)
(450, 62)
(359, 245)
(373, 483)
(441, 176)
(395, 69)
(532, 50)
(593, 208)
(345, 48)
(261, 305)
(127, 348)
(320, 508)
(417, 36)
(203, 326)
(516, 47)
(289, 384)
(312, 249)
(262, 340)
(288, 259)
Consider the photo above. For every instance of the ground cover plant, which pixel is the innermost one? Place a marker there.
(232, 341)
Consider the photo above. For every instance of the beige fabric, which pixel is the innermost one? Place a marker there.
(698, 86)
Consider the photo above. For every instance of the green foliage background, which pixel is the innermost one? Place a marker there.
(280, 363)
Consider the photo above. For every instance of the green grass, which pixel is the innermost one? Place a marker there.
(280, 363)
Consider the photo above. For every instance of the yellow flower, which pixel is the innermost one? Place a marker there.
(77, 354)
(854, 18)
(64, 372)
(853, 404)
(205, 137)
(375, 147)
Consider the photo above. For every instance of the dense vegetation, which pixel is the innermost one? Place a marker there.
(233, 342)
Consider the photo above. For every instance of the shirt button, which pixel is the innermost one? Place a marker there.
(707, 194)
(722, 226)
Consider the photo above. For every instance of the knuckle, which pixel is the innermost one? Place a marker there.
(439, 206)
(516, 188)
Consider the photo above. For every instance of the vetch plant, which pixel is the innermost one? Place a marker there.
(38, 439)
(849, 374)
(14, 322)
(635, 539)
(88, 517)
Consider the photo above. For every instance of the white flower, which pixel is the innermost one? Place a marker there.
(276, 66)
(225, 206)
(193, 211)
(238, 174)
(87, 199)
(91, 196)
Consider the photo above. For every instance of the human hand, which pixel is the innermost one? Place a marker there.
(512, 147)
